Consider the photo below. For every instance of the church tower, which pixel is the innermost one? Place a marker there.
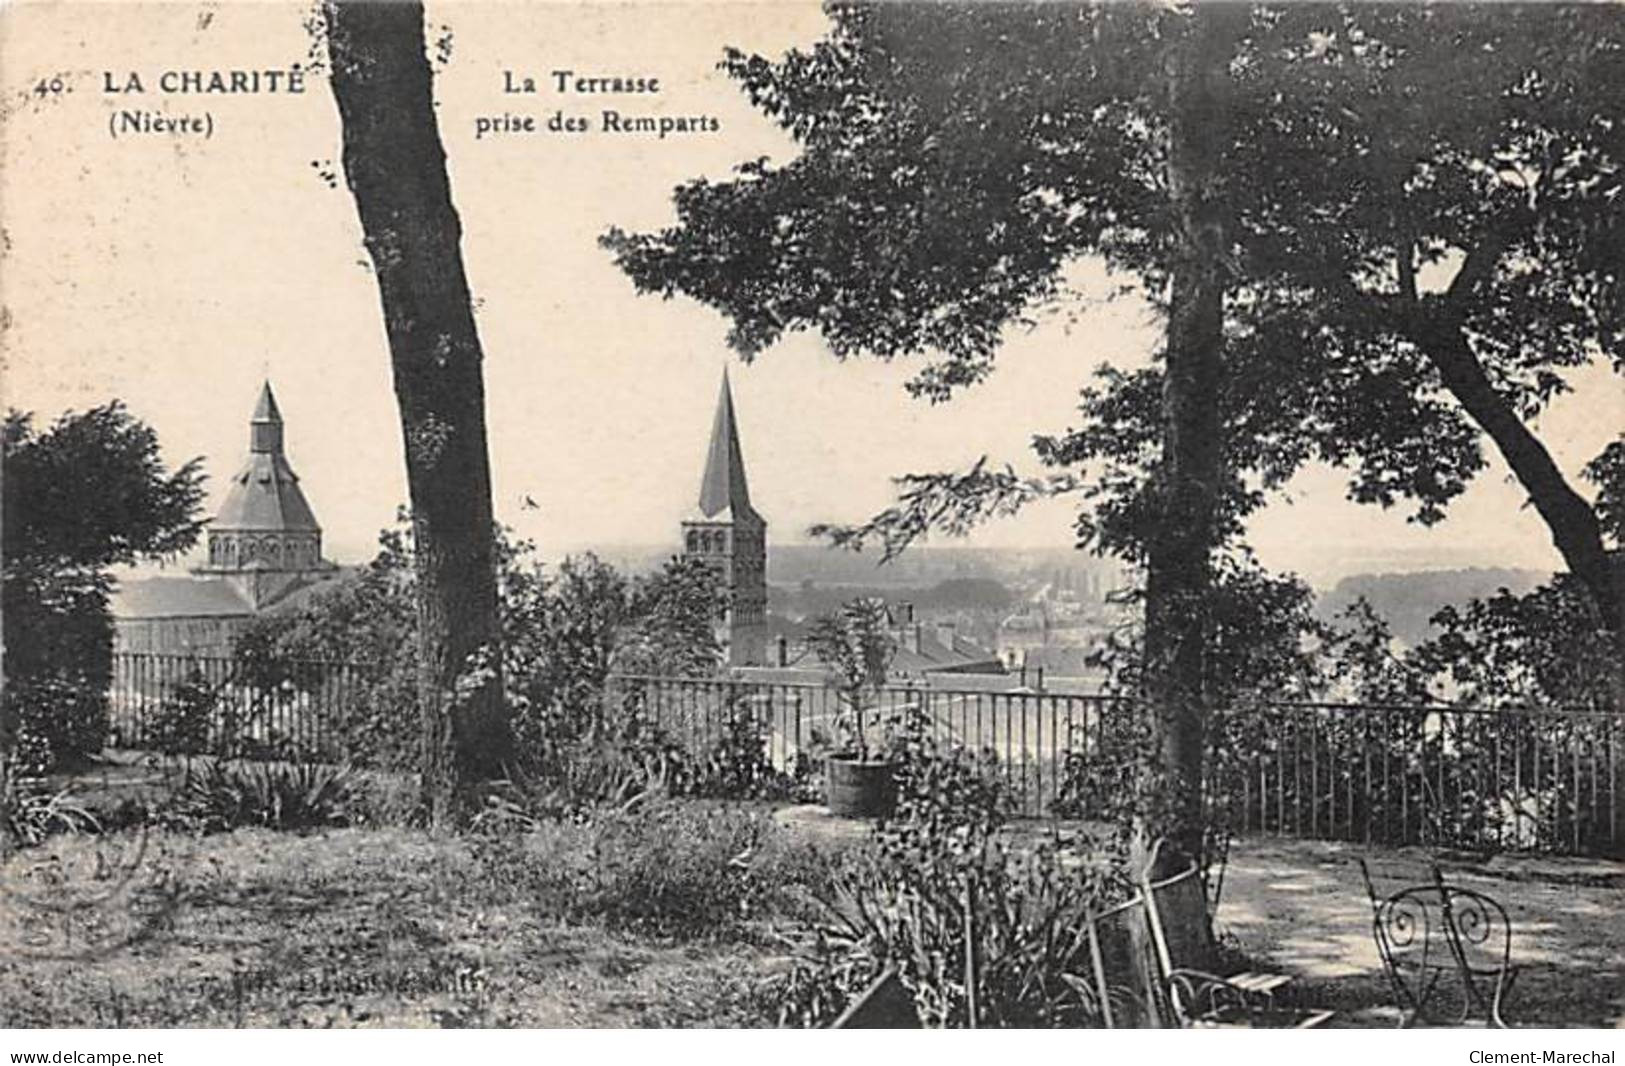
(727, 532)
(265, 540)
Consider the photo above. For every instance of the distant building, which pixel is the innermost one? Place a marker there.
(935, 648)
(726, 532)
(264, 554)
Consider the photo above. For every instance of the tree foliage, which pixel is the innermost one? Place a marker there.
(564, 629)
(1547, 649)
(1399, 276)
(1350, 271)
(88, 493)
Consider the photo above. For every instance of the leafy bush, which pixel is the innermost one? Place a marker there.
(602, 771)
(58, 668)
(660, 868)
(738, 764)
(906, 904)
(622, 755)
(219, 795)
(180, 724)
(563, 629)
(47, 722)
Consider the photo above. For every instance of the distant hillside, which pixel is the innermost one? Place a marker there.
(929, 565)
(1407, 601)
(926, 565)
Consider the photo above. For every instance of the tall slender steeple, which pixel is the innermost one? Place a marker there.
(726, 532)
(724, 490)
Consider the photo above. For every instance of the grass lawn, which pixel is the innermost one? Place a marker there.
(395, 927)
(360, 927)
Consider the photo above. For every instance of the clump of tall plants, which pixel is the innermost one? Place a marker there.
(940, 889)
(220, 795)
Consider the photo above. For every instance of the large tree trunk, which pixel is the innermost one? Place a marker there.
(1179, 554)
(1572, 521)
(396, 169)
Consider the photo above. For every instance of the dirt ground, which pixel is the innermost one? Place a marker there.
(1302, 905)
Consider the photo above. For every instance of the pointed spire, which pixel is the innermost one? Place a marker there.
(265, 429)
(723, 486)
(266, 409)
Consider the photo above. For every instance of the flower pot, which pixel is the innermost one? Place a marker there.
(860, 788)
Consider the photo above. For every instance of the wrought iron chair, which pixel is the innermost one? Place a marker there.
(1427, 931)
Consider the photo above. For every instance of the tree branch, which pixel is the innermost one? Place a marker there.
(1480, 264)
(948, 503)
(1573, 522)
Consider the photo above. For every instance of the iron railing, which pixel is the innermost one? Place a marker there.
(1034, 737)
(186, 704)
(1441, 776)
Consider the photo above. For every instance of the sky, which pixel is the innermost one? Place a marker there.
(175, 272)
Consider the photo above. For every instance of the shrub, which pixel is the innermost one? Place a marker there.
(47, 722)
(180, 724)
(219, 795)
(738, 764)
(623, 754)
(380, 726)
(611, 766)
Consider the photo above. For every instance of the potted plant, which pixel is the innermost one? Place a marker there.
(856, 646)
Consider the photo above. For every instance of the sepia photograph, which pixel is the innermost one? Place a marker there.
(769, 514)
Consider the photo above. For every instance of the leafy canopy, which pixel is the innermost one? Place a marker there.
(92, 492)
(88, 493)
(1387, 171)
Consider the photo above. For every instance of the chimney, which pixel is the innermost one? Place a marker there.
(905, 613)
(945, 633)
(782, 648)
(909, 636)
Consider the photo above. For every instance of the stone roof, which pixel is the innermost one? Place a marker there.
(724, 493)
(216, 597)
(178, 597)
(932, 654)
(266, 409)
(265, 496)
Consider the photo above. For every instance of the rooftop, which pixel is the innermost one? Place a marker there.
(265, 496)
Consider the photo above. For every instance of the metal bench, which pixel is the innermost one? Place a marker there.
(1191, 995)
